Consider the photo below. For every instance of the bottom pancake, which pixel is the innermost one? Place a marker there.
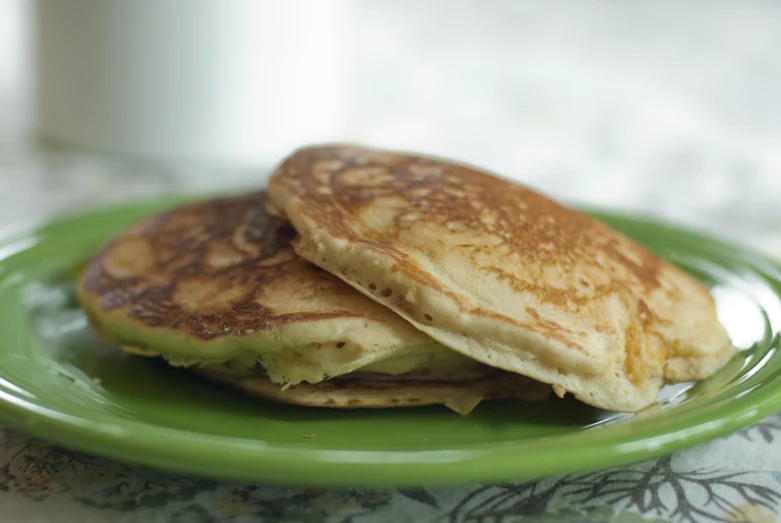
(347, 393)
(459, 391)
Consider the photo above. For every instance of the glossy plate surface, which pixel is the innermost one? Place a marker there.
(59, 382)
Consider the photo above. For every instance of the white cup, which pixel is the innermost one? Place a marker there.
(237, 81)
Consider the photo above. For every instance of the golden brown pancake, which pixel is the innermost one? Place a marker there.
(501, 273)
(216, 283)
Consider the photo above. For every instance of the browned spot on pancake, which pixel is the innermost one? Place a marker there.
(533, 313)
(645, 349)
(644, 313)
(130, 258)
(203, 269)
(636, 367)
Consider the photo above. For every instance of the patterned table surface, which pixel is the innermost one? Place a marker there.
(737, 478)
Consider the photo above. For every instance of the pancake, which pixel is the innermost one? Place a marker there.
(352, 392)
(216, 283)
(502, 274)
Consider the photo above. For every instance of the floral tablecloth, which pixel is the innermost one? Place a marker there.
(737, 479)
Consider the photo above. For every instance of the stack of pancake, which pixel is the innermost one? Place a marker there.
(367, 278)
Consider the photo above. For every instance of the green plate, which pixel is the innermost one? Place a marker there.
(58, 381)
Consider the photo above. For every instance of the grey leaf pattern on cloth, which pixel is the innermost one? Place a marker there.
(650, 491)
(766, 430)
(420, 494)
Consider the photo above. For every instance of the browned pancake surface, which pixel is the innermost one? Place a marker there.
(212, 269)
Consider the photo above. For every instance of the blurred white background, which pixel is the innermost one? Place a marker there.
(671, 108)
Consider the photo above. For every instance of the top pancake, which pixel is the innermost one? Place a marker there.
(501, 273)
(218, 281)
